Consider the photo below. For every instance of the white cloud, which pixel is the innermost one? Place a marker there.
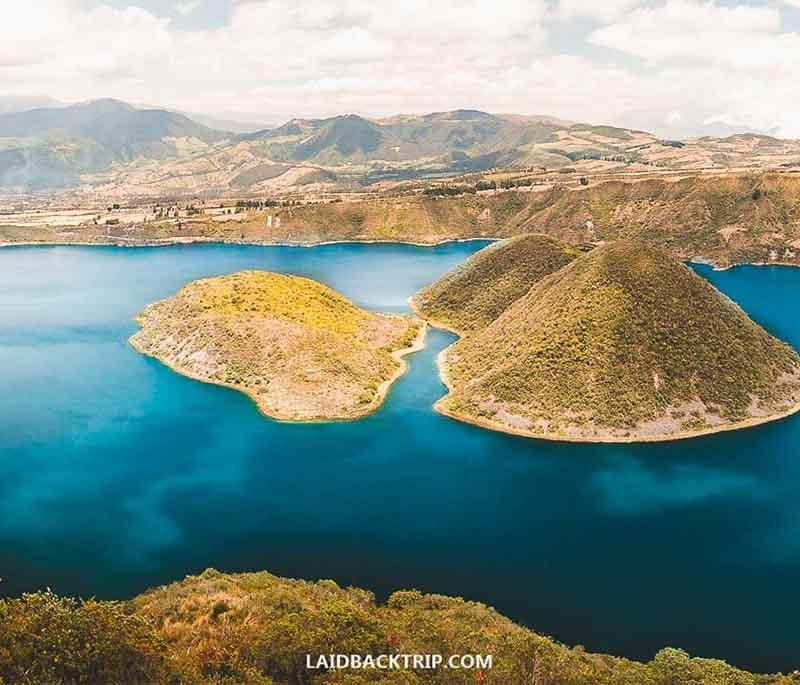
(57, 45)
(187, 8)
(743, 36)
(285, 58)
(603, 11)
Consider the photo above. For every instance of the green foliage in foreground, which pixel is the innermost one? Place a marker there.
(48, 639)
(475, 293)
(256, 629)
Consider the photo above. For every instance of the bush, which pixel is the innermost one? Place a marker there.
(54, 640)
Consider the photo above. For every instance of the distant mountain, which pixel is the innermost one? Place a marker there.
(229, 121)
(122, 149)
(705, 123)
(460, 139)
(332, 140)
(52, 147)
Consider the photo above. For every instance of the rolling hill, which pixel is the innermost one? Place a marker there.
(470, 140)
(461, 140)
(56, 146)
(475, 293)
(622, 344)
(723, 219)
(356, 151)
(121, 150)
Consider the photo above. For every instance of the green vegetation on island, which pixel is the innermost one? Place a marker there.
(257, 629)
(475, 293)
(300, 350)
(622, 344)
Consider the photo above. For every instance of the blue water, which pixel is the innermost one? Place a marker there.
(117, 474)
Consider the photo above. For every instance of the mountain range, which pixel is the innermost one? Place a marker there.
(115, 147)
(54, 146)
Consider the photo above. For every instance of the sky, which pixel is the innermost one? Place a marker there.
(676, 67)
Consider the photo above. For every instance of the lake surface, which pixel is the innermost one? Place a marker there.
(117, 474)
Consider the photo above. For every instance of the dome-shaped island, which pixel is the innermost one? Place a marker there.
(300, 350)
(621, 344)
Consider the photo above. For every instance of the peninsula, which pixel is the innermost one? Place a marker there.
(623, 344)
(300, 350)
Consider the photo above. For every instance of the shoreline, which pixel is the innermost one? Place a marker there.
(486, 424)
(382, 392)
(431, 321)
(441, 364)
(194, 240)
(551, 437)
(205, 240)
(700, 261)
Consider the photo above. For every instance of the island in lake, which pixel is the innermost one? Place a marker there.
(475, 293)
(300, 350)
(621, 344)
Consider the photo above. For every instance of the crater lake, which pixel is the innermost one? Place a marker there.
(117, 474)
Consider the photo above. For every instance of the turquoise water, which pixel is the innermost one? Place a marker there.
(117, 474)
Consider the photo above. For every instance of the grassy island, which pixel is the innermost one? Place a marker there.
(623, 344)
(475, 293)
(300, 350)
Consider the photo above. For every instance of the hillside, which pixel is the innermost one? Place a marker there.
(354, 139)
(256, 629)
(475, 293)
(300, 350)
(56, 146)
(622, 344)
(724, 219)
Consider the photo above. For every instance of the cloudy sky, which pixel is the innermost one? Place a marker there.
(673, 66)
